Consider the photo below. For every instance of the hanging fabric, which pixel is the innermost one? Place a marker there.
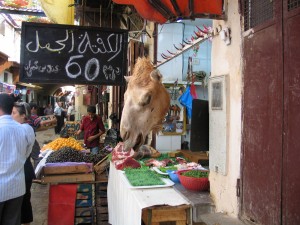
(186, 99)
(193, 91)
(193, 88)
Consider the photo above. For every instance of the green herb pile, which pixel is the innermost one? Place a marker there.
(195, 173)
(142, 177)
(164, 169)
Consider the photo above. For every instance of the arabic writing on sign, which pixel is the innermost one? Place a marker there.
(111, 45)
(31, 67)
(110, 72)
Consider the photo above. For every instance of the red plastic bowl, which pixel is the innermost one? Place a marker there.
(193, 183)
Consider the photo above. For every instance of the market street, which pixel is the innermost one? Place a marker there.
(39, 192)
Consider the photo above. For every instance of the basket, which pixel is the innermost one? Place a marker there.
(193, 183)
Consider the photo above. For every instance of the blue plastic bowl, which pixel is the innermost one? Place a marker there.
(173, 176)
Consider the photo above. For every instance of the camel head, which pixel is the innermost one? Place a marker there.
(146, 103)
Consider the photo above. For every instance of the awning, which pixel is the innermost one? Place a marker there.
(32, 86)
(163, 10)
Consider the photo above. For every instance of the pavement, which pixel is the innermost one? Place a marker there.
(40, 192)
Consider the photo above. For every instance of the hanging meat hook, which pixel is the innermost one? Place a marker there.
(171, 52)
(179, 49)
(203, 31)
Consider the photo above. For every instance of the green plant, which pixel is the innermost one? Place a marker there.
(196, 173)
(142, 177)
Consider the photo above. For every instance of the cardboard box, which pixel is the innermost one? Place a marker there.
(49, 125)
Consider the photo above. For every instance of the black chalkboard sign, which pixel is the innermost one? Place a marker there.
(68, 54)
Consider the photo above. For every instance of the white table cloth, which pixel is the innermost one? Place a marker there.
(125, 204)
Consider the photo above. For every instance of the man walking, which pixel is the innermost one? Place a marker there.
(16, 142)
(58, 112)
(71, 112)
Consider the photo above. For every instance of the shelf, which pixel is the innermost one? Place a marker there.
(181, 82)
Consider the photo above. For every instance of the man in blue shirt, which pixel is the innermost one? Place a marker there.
(16, 142)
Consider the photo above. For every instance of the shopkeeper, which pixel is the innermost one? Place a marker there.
(93, 128)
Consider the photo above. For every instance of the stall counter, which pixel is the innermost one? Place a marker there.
(125, 204)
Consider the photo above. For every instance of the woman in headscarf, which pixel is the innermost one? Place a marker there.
(21, 113)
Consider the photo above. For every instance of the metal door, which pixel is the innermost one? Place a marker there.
(291, 134)
(262, 112)
(271, 113)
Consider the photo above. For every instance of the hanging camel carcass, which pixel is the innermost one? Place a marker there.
(146, 102)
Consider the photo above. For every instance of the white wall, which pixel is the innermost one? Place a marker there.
(174, 34)
(203, 55)
(10, 41)
(226, 59)
(169, 34)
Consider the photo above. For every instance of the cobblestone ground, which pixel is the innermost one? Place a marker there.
(39, 192)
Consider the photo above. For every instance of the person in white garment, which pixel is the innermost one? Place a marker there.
(71, 112)
(16, 141)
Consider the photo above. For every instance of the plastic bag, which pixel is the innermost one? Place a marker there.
(186, 99)
(112, 137)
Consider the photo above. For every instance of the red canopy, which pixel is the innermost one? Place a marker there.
(162, 10)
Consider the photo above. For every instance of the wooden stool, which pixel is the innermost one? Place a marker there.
(156, 214)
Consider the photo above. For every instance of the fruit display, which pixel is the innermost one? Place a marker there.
(67, 154)
(63, 142)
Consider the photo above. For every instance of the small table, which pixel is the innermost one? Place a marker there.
(195, 156)
(128, 206)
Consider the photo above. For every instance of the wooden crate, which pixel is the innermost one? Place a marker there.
(69, 178)
(196, 157)
(49, 125)
(180, 215)
(102, 165)
(70, 169)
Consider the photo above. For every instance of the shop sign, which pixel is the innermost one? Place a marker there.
(68, 54)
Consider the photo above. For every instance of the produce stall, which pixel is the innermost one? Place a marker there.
(127, 203)
(135, 194)
(78, 182)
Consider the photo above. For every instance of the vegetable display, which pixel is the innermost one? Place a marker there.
(195, 173)
(143, 177)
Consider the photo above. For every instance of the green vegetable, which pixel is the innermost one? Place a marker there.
(196, 173)
(164, 169)
(142, 177)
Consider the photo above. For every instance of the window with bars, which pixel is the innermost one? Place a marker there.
(257, 12)
(293, 4)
